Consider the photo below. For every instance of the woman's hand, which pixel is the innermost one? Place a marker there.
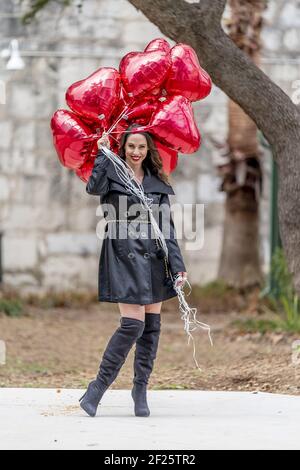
(103, 141)
(184, 278)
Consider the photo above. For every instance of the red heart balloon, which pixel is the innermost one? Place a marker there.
(158, 44)
(174, 124)
(144, 109)
(73, 140)
(186, 76)
(96, 96)
(141, 72)
(168, 156)
(85, 171)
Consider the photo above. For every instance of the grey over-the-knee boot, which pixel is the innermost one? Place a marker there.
(113, 358)
(145, 354)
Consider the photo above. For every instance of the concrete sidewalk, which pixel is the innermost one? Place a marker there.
(52, 419)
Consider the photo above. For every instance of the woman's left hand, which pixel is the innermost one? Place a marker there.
(184, 278)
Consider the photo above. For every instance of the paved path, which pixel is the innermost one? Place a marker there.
(52, 419)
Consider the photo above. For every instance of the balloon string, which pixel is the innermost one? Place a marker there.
(189, 316)
(118, 119)
(123, 132)
(127, 176)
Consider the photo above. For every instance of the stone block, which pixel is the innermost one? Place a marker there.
(20, 280)
(202, 265)
(24, 136)
(271, 38)
(72, 243)
(73, 69)
(139, 32)
(24, 217)
(208, 189)
(22, 104)
(70, 272)
(4, 188)
(19, 253)
(185, 191)
(6, 134)
(291, 40)
(202, 271)
(216, 123)
(83, 218)
(106, 30)
(290, 15)
(120, 9)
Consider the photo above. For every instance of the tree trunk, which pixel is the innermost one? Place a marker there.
(240, 233)
(199, 24)
(242, 179)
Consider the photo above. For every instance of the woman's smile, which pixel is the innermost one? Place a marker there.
(135, 158)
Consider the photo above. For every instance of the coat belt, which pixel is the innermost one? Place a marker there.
(128, 221)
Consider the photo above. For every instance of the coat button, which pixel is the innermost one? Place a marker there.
(143, 234)
(131, 255)
(146, 255)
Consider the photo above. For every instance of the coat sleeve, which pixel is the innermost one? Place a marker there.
(176, 262)
(98, 183)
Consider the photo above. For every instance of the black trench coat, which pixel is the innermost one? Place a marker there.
(132, 268)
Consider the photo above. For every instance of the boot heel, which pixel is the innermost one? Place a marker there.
(140, 401)
(90, 400)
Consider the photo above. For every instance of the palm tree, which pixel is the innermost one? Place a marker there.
(241, 171)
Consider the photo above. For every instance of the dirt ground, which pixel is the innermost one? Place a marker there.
(61, 347)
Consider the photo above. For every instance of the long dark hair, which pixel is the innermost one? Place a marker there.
(152, 160)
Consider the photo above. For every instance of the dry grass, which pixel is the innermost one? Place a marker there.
(61, 347)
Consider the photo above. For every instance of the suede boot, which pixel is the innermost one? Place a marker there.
(145, 354)
(113, 359)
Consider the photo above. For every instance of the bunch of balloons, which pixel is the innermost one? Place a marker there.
(153, 88)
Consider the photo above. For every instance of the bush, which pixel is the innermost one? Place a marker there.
(11, 307)
(284, 299)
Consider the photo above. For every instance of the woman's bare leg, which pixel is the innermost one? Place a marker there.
(153, 308)
(132, 311)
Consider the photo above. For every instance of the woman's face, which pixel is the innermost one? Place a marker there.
(136, 149)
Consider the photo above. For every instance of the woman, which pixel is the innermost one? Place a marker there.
(133, 271)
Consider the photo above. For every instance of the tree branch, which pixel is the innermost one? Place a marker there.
(168, 13)
(231, 70)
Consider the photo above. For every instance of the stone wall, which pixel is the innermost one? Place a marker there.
(47, 220)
